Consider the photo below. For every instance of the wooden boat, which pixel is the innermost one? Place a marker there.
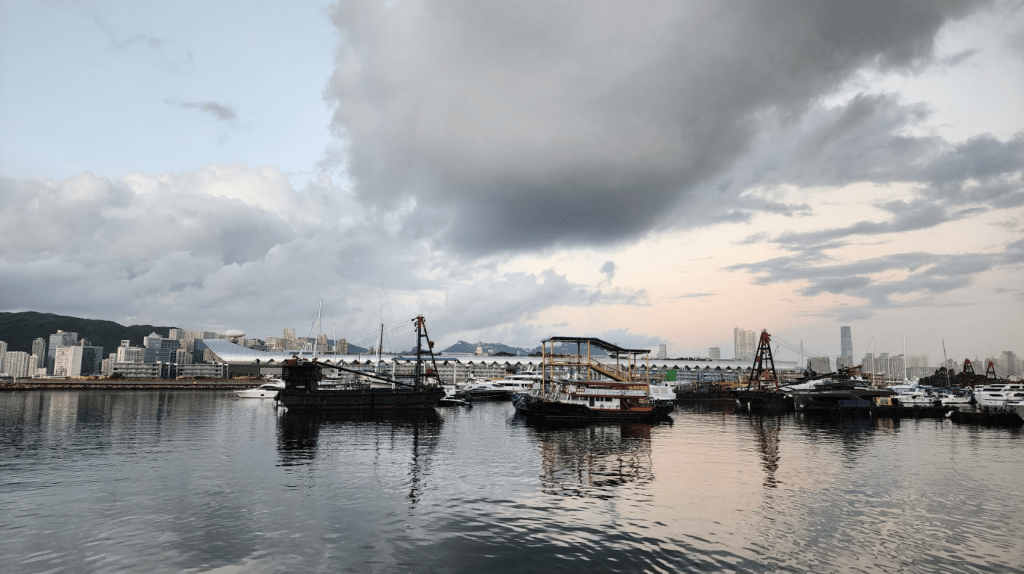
(589, 387)
(303, 390)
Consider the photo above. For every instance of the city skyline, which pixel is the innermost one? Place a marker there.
(650, 175)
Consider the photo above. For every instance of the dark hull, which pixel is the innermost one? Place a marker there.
(486, 395)
(762, 400)
(553, 410)
(827, 399)
(360, 399)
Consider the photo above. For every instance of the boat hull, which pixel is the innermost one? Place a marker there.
(555, 410)
(364, 399)
(257, 393)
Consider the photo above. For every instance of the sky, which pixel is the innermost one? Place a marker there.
(649, 174)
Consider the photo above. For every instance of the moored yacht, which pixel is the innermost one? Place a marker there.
(499, 389)
(997, 395)
(265, 391)
(827, 393)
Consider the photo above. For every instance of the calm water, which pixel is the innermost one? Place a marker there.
(199, 481)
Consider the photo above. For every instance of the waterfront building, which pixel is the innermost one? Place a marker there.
(58, 339)
(78, 360)
(843, 362)
(128, 354)
(142, 370)
(714, 353)
(3, 352)
(846, 344)
(201, 371)
(16, 363)
(744, 343)
(39, 350)
(159, 349)
(662, 352)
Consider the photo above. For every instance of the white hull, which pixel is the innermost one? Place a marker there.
(266, 391)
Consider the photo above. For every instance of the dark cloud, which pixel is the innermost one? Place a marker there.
(531, 124)
(922, 274)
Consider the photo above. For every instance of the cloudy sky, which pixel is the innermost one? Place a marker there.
(652, 174)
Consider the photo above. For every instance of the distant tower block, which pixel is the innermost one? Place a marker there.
(846, 343)
(714, 353)
(662, 353)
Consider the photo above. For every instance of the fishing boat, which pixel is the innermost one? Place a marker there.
(372, 392)
(584, 387)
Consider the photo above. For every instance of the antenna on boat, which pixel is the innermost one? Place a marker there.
(315, 323)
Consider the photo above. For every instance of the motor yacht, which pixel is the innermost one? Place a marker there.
(997, 395)
(499, 389)
(265, 391)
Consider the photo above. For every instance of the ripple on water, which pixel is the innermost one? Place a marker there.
(179, 481)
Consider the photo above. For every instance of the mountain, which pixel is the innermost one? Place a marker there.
(488, 348)
(20, 329)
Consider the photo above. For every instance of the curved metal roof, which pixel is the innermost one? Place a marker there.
(234, 354)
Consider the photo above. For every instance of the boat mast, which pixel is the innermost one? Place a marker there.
(905, 379)
(380, 344)
(419, 336)
(944, 361)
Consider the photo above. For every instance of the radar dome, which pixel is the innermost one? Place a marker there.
(234, 333)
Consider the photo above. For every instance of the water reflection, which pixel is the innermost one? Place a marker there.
(303, 437)
(766, 428)
(592, 460)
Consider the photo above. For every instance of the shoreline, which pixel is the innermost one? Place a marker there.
(128, 384)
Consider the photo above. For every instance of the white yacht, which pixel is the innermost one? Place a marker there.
(1017, 407)
(661, 392)
(500, 388)
(267, 390)
(997, 395)
(954, 400)
(922, 397)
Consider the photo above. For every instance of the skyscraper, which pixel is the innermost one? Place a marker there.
(744, 343)
(39, 350)
(846, 343)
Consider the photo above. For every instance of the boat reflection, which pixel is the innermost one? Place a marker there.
(766, 429)
(594, 460)
(403, 438)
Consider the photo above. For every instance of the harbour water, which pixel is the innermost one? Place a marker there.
(201, 481)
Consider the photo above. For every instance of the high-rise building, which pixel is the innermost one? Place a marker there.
(662, 352)
(820, 364)
(58, 339)
(16, 363)
(744, 344)
(3, 353)
(78, 360)
(126, 353)
(714, 353)
(159, 350)
(846, 343)
(39, 350)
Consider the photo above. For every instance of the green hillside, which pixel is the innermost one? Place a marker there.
(20, 329)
